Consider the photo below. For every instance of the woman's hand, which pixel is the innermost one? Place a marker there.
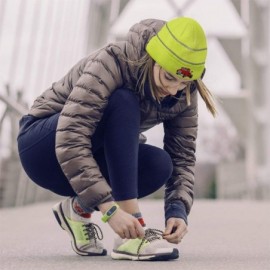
(176, 229)
(125, 225)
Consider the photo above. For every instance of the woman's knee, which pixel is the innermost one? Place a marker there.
(162, 163)
(125, 99)
(156, 163)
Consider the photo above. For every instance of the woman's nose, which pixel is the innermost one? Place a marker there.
(172, 90)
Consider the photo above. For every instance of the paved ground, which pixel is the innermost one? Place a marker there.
(222, 235)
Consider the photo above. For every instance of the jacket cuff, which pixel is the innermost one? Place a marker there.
(176, 209)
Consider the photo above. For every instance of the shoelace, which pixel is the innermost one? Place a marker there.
(150, 235)
(93, 231)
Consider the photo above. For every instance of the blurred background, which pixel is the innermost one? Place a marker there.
(40, 40)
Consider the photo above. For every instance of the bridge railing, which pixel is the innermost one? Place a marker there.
(15, 187)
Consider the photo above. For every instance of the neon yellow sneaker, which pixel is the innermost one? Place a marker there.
(84, 234)
(151, 248)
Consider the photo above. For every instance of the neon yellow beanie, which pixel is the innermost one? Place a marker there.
(180, 47)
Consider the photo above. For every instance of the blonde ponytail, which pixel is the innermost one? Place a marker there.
(207, 97)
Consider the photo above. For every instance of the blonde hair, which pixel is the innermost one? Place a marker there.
(207, 96)
(145, 66)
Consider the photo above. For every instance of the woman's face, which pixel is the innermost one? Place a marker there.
(167, 83)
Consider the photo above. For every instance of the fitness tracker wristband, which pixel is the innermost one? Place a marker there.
(109, 213)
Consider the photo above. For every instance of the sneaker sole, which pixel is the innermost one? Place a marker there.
(116, 255)
(59, 215)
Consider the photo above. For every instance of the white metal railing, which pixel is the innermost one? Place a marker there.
(39, 42)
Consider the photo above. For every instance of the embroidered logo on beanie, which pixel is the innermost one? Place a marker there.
(184, 72)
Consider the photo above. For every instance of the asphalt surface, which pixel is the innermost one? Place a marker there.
(222, 235)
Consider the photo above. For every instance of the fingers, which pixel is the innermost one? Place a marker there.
(139, 229)
(177, 229)
(122, 234)
(136, 230)
(169, 227)
(132, 231)
(128, 232)
(176, 237)
(126, 226)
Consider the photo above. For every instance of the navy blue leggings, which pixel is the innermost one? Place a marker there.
(133, 170)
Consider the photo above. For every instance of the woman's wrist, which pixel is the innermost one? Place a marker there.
(103, 207)
(109, 213)
(108, 209)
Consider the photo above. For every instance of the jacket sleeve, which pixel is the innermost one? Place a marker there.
(77, 123)
(180, 143)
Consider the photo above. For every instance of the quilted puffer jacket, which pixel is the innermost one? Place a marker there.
(81, 96)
